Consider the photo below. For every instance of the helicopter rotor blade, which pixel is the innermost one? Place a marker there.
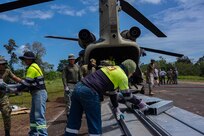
(162, 52)
(134, 13)
(19, 4)
(64, 38)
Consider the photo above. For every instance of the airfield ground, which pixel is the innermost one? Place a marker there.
(188, 96)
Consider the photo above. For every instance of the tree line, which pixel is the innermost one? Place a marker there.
(38, 49)
(184, 65)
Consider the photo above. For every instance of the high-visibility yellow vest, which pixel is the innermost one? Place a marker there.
(117, 77)
(34, 78)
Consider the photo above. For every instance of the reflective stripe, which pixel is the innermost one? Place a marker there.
(25, 83)
(111, 92)
(94, 134)
(29, 79)
(34, 84)
(40, 77)
(33, 125)
(41, 83)
(74, 131)
(41, 126)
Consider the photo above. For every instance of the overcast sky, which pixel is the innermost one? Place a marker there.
(181, 20)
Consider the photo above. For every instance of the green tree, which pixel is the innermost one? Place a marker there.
(47, 67)
(38, 49)
(61, 64)
(184, 59)
(185, 66)
(11, 47)
(200, 66)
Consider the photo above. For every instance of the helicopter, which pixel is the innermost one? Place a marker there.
(112, 44)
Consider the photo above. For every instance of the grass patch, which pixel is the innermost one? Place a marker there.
(54, 89)
(191, 78)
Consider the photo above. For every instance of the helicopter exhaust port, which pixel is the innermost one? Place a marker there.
(131, 34)
(85, 38)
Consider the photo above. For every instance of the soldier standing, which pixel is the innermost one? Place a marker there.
(150, 76)
(70, 76)
(5, 76)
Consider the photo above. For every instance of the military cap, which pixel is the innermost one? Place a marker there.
(71, 56)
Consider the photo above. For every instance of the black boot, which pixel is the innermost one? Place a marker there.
(7, 132)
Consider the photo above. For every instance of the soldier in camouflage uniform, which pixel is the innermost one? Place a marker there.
(70, 76)
(88, 68)
(6, 75)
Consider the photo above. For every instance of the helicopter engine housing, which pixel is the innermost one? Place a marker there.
(85, 38)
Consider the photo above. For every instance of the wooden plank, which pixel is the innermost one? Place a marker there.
(20, 111)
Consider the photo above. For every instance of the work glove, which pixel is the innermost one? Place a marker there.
(2, 83)
(119, 114)
(3, 86)
(66, 89)
(143, 106)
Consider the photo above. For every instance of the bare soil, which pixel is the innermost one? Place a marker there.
(20, 123)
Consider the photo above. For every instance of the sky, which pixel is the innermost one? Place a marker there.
(181, 20)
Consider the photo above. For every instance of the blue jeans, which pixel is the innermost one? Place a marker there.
(84, 100)
(37, 114)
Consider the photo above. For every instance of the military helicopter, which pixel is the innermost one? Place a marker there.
(112, 43)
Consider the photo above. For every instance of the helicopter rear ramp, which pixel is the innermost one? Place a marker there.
(164, 119)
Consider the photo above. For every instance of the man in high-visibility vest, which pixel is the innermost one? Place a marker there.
(34, 82)
(88, 93)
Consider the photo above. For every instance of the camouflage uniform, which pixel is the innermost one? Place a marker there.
(70, 76)
(4, 101)
(88, 68)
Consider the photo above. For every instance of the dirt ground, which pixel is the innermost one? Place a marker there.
(187, 96)
(20, 123)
